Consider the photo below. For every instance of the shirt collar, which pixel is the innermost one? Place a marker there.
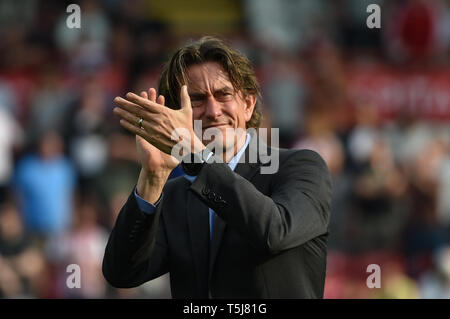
(231, 164)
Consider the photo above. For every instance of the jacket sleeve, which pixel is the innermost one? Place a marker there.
(296, 211)
(136, 251)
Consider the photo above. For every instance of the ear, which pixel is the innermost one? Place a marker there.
(250, 102)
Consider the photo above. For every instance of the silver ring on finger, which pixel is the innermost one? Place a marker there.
(140, 122)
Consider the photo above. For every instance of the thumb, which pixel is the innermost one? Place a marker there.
(185, 99)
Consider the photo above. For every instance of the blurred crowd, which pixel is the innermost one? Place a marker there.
(358, 96)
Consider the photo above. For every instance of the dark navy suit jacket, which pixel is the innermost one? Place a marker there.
(269, 239)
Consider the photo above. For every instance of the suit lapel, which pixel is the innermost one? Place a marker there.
(246, 170)
(198, 224)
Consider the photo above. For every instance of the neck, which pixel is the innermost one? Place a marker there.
(230, 152)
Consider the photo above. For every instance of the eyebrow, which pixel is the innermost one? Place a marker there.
(197, 95)
(203, 94)
(224, 89)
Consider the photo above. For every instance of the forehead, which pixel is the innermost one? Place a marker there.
(208, 75)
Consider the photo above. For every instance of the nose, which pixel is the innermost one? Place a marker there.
(213, 109)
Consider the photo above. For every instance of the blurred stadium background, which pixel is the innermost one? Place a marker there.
(375, 103)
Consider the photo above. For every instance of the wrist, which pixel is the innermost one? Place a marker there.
(155, 177)
(150, 184)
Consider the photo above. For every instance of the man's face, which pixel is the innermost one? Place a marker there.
(216, 103)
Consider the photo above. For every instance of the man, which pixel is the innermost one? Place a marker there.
(223, 230)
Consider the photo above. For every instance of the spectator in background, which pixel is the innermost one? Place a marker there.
(286, 25)
(417, 31)
(8, 100)
(85, 47)
(285, 98)
(45, 183)
(11, 134)
(86, 130)
(443, 200)
(49, 103)
(435, 283)
(379, 205)
(379, 208)
(327, 108)
(82, 245)
(425, 233)
(22, 264)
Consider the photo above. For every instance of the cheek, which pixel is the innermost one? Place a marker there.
(235, 111)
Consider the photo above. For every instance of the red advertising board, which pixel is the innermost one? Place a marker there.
(424, 93)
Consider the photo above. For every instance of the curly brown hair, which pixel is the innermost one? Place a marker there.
(210, 49)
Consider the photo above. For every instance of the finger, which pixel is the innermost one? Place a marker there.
(185, 99)
(161, 100)
(144, 134)
(133, 108)
(133, 118)
(132, 112)
(144, 103)
(144, 95)
(133, 129)
(130, 117)
(152, 94)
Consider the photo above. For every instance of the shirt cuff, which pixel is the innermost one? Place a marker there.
(145, 206)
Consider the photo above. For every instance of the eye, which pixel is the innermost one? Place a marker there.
(196, 103)
(224, 95)
(196, 100)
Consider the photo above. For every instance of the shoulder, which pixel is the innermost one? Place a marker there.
(302, 166)
(305, 170)
(299, 157)
(301, 154)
